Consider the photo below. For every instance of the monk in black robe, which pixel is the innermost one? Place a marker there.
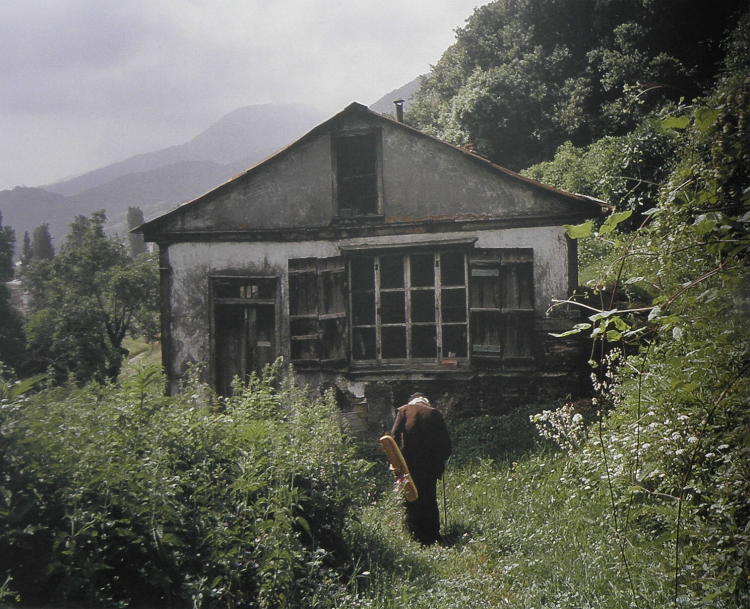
(421, 433)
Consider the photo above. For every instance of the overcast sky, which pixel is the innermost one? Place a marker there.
(84, 83)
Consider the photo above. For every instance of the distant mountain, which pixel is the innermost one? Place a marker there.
(385, 104)
(158, 181)
(25, 208)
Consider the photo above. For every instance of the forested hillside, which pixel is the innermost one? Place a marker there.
(113, 495)
(524, 76)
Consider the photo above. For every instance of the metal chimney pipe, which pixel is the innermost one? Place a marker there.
(399, 103)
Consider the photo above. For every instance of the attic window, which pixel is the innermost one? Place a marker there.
(356, 158)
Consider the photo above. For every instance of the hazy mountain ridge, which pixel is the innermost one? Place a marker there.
(160, 180)
(385, 104)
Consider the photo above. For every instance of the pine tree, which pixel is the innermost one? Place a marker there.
(135, 218)
(28, 253)
(41, 243)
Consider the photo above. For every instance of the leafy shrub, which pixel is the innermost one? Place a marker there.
(118, 495)
(495, 437)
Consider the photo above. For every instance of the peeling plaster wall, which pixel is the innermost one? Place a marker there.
(193, 263)
(293, 190)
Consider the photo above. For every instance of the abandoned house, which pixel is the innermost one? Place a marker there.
(380, 260)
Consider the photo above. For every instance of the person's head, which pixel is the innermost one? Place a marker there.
(418, 398)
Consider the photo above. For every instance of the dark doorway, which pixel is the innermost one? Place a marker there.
(244, 328)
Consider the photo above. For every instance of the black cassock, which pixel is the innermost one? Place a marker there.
(421, 433)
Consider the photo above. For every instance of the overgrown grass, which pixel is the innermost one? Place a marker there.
(120, 497)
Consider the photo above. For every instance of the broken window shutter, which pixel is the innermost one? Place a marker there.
(518, 305)
(303, 312)
(502, 305)
(331, 273)
(485, 305)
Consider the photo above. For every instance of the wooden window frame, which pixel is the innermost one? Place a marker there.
(343, 212)
(408, 289)
(216, 301)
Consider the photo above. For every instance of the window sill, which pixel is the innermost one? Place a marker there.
(358, 219)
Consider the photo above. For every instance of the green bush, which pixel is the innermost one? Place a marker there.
(117, 495)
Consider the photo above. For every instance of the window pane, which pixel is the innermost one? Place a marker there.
(452, 270)
(454, 305)
(333, 332)
(422, 269)
(333, 297)
(304, 349)
(423, 343)
(264, 288)
(359, 195)
(392, 308)
(227, 288)
(305, 326)
(422, 305)
(244, 288)
(394, 342)
(363, 343)
(454, 341)
(363, 275)
(363, 308)
(355, 155)
(391, 272)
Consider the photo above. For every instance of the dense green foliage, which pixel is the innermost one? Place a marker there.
(117, 495)
(626, 170)
(41, 243)
(524, 76)
(11, 324)
(85, 300)
(135, 219)
(12, 338)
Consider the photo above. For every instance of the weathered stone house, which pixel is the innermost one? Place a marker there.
(377, 258)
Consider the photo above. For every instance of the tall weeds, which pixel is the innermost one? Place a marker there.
(118, 495)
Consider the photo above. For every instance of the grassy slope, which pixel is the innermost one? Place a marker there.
(517, 536)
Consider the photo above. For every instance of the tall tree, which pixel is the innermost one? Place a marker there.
(135, 218)
(12, 343)
(41, 243)
(7, 249)
(27, 253)
(87, 299)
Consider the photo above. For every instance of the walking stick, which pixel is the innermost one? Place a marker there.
(445, 501)
(445, 506)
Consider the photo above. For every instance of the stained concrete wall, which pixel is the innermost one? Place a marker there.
(192, 264)
(296, 189)
(421, 178)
